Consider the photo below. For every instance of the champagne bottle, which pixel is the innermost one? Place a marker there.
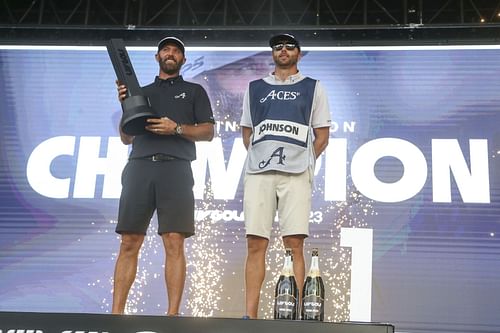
(286, 294)
(313, 294)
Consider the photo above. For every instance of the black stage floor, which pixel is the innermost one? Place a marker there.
(31, 322)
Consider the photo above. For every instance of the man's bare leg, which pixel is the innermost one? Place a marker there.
(175, 270)
(296, 243)
(254, 273)
(125, 270)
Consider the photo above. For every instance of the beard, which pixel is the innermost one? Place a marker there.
(285, 62)
(170, 67)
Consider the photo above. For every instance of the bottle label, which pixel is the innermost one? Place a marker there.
(285, 306)
(313, 306)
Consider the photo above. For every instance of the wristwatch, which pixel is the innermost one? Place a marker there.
(178, 129)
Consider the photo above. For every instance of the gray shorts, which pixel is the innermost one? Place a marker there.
(164, 186)
(289, 194)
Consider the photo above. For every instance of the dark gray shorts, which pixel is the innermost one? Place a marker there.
(166, 186)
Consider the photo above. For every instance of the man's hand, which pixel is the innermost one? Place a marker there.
(161, 126)
(122, 94)
(122, 91)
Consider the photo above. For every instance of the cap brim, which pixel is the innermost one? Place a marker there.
(283, 38)
(171, 40)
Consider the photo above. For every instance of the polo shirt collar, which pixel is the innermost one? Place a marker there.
(171, 80)
(291, 79)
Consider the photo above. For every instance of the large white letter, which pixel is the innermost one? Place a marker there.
(360, 241)
(114, 162)
(447, 157)
(363, 170)
(335, 170)
(90, 165)
(38, 168)
(224, 182)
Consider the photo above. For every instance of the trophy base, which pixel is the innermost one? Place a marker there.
(136, 111)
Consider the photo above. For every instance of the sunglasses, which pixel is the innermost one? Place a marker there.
(288, 46)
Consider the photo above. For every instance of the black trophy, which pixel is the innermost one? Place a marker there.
(136, 107)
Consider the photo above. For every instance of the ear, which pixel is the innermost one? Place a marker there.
(157, 57)
(184, 60)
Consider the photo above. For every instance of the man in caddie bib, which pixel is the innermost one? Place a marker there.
(285, 127)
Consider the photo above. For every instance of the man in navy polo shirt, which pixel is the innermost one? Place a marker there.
(158, 174)
(285, 127)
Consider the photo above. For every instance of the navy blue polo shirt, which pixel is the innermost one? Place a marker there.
(183, 102)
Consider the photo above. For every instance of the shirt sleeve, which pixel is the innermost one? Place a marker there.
(321, 111)
(202, 107)
(246, 120)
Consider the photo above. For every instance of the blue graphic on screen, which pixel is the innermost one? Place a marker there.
(413, 157)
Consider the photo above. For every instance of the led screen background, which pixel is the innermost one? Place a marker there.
(434, 262)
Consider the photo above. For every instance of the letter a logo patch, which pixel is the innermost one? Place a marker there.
(277, 153)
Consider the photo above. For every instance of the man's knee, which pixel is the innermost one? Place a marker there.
(295, 242)
(174, 243)
(131, 243)
(256, 245)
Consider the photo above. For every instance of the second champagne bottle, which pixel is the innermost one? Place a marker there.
(313, 294)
